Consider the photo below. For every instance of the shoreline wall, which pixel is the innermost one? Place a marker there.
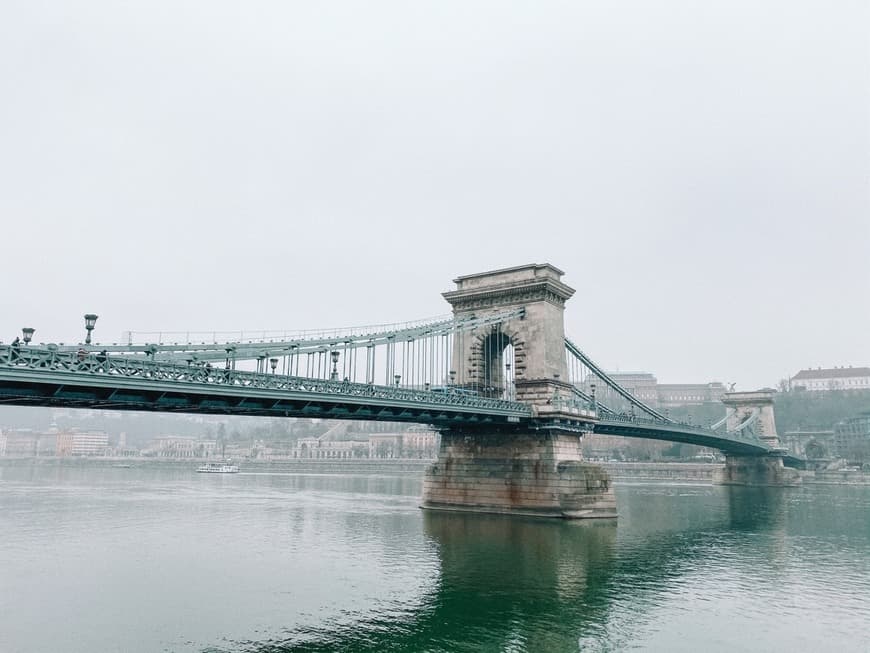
(619, 472)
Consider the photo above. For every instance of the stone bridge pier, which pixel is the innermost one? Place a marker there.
(532, 469)
(767, 470)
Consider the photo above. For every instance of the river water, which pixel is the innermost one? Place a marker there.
(164, 559)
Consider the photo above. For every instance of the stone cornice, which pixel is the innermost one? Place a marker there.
(757, 397)
(516, 292)
(534, 267)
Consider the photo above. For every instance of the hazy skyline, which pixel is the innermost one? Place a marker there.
(699, 171)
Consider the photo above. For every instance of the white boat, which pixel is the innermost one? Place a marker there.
(218, 468)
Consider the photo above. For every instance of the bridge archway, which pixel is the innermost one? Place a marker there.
(493, 362)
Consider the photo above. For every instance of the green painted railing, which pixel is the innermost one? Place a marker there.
(41, 361)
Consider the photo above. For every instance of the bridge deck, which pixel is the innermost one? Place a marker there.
(40, 376)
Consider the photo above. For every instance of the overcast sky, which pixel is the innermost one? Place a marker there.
(699, 170)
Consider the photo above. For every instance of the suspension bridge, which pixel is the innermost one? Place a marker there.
(498, 373)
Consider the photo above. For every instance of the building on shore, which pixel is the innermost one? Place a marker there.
(646, 388)
(318, 449)
(416, 443)
(179, 446)
(831, 379)
(79, 443)
(27, 443)
(338, 443)
(852, 438)
(672, 395)
(641, 385)
(12, 443)
(816, 444)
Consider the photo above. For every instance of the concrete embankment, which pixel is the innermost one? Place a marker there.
(619, 472)
(838, 477)
(362, 466)
(705, 472)
(661, 472)
(398, 466)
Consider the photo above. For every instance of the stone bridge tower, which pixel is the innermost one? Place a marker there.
(757, 405)
(535, 468)
(537, 339)
(755, 409)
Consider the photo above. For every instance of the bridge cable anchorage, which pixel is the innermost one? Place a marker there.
(600, 374)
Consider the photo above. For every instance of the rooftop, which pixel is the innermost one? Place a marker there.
(832, 373)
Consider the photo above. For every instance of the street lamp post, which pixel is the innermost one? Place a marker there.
(334, 356)
(398, 379)
(90, 321)
(273, 363)
(594, 401)
(27, 333)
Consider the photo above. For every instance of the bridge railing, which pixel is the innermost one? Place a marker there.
(50, 359)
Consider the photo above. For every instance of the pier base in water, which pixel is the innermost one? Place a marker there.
(759, 471)
(536, 474)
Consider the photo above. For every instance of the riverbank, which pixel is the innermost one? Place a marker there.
(704, 473)
(305, 466)
(839, 477)
(645, 472)
(662, 472)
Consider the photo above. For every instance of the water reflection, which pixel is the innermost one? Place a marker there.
(505, 584)
(509, 584)
(515, 584)
(757, 509)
